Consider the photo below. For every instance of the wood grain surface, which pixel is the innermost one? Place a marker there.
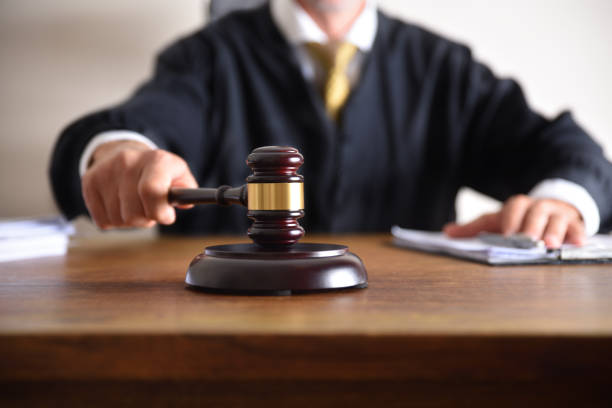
(114, 315)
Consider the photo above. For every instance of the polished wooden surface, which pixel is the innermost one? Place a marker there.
(116, 312)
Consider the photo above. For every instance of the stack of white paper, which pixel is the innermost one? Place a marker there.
(470, 248)
(31, 238)
(597, 249)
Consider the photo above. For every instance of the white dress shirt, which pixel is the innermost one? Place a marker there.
(298, 28)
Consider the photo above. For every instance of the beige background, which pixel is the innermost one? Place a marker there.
(62, 58)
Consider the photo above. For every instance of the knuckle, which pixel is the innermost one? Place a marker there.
(537, 208)
(165, 159)
(95, 178)
(519, 198)
(540, 206)
(557, 219)
(158, 156)
(561, 218)
(124, 159)
(577, 224)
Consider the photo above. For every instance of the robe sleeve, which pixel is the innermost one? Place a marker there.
(508, 148)
(170, 109)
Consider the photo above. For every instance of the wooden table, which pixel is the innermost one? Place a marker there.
(113, 324)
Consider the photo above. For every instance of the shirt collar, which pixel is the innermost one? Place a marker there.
(298, 28)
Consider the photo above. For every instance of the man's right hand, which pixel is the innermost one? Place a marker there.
(127, 183)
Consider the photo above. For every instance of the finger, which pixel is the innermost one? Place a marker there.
(94, 203)
(162, 170)
(100, 215)
(487, 222)
(185, 181)
(152, 192)
(536, 219)
(575, 233)
(513, 212)
(132, 210)
(555, 231)
(110, 197)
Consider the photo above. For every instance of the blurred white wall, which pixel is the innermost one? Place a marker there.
(62, 58)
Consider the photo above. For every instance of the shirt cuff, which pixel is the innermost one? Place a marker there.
(106, 137)
(574, 194)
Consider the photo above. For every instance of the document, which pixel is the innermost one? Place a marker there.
(597, 249)
(34, 237)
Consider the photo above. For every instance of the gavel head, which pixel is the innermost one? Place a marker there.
(275, 196)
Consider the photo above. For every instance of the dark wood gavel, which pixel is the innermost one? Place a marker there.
(273, 195)
(276, 263)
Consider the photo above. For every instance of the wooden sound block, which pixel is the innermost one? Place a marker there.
(252, 269)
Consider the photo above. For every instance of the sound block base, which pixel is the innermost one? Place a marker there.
(249, 269)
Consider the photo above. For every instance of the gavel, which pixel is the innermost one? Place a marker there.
(275, 263)
(273, 195)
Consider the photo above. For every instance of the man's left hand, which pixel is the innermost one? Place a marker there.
(554, 221)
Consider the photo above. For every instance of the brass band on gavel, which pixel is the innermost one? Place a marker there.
(275, 196)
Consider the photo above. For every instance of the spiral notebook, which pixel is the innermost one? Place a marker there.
(598, 249)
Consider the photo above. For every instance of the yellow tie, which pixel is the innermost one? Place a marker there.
(337, 84)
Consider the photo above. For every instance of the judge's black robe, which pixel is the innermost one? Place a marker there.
(423, 120)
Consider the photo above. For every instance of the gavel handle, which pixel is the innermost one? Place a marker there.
(224, 195)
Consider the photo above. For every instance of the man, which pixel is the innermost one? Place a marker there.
(392, 121)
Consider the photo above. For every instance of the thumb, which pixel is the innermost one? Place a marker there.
(184, 180)
(487, 222)
(161, 171)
